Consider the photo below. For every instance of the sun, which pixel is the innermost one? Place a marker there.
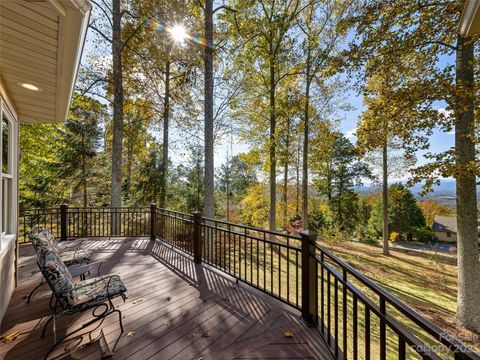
(178, 33)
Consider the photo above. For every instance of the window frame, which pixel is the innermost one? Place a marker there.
(10, 176)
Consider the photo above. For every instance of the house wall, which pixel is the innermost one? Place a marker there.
(8, 204)
(442, 236)
(7, 275)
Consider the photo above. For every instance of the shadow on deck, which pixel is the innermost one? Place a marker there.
(175, 310)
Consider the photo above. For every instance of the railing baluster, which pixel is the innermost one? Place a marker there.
(344, 318)
(335, 301)
(355, 327)
(329, 309)
(383, 335)
(367, 332)
(322, 292)
(401, 348)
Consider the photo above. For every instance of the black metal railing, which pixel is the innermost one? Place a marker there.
(268, 260)
(48, 218)
(174, 228)
(356, 317)
(359, 319)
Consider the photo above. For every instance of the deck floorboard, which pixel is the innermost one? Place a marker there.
(175, 310)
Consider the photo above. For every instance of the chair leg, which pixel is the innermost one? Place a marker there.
(119, 318)
(54, 305)
(33, 291)
(54, 328)
(87, 324)
(45, 326)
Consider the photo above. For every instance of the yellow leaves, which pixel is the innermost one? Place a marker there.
(137, 301)
(131, 333)
(10, 337)
(288, 334)
(205, 334)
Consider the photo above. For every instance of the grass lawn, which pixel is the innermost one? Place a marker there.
(427, 282)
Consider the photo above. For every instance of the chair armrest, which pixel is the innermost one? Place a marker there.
(81, 269)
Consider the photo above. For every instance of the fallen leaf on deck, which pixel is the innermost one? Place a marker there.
(137, 301)
(25, 297)
(169, 298)
(288, 334)
(10, 337)
(207, 334)
(107, 355)
(131, 333)
(166, 323)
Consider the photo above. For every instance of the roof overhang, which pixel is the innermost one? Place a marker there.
(41, 43)
(470, 20)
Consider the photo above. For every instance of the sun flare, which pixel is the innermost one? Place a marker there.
(178, 33)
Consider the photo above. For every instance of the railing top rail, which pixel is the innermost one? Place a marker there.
(257, 238)
(22, 211)
(411, 314)
(270, 232)
(107, 207)
(174, 212)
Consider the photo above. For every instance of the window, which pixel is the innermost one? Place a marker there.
(449, 234)
(6, 146)
(7, 205)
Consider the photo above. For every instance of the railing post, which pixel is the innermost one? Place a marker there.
(153, 220)
(63, 221)
(197, 237)
(308, 276)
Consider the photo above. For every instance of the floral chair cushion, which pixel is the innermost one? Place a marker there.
(58, 277)
(80, 256)
(83, 293)
(98, 289)
(43, 241)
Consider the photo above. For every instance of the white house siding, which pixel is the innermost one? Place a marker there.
(8, 245)
(7, 275)
(442, 236)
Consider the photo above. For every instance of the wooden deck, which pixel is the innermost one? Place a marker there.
(175, 310)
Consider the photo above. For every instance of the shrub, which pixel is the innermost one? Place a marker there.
(370, 240)
(334, 235)
(317, 220)
(423, 234)
(394, 236)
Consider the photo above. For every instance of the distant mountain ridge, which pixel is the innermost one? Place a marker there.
(443, 193)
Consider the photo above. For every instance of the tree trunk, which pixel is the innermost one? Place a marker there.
(285, 175)
(385, 198)
(166, 116)
(306, 129)
(468, 310)
(84, 180)
(116, 187)
(297, 176)
(209, 161)
(228, 202)
(272, 219)
(128, 177)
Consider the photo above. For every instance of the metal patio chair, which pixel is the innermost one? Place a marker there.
(43, 240)
(76, 297)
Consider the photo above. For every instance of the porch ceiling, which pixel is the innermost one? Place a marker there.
(470, 20)
(40, 44)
